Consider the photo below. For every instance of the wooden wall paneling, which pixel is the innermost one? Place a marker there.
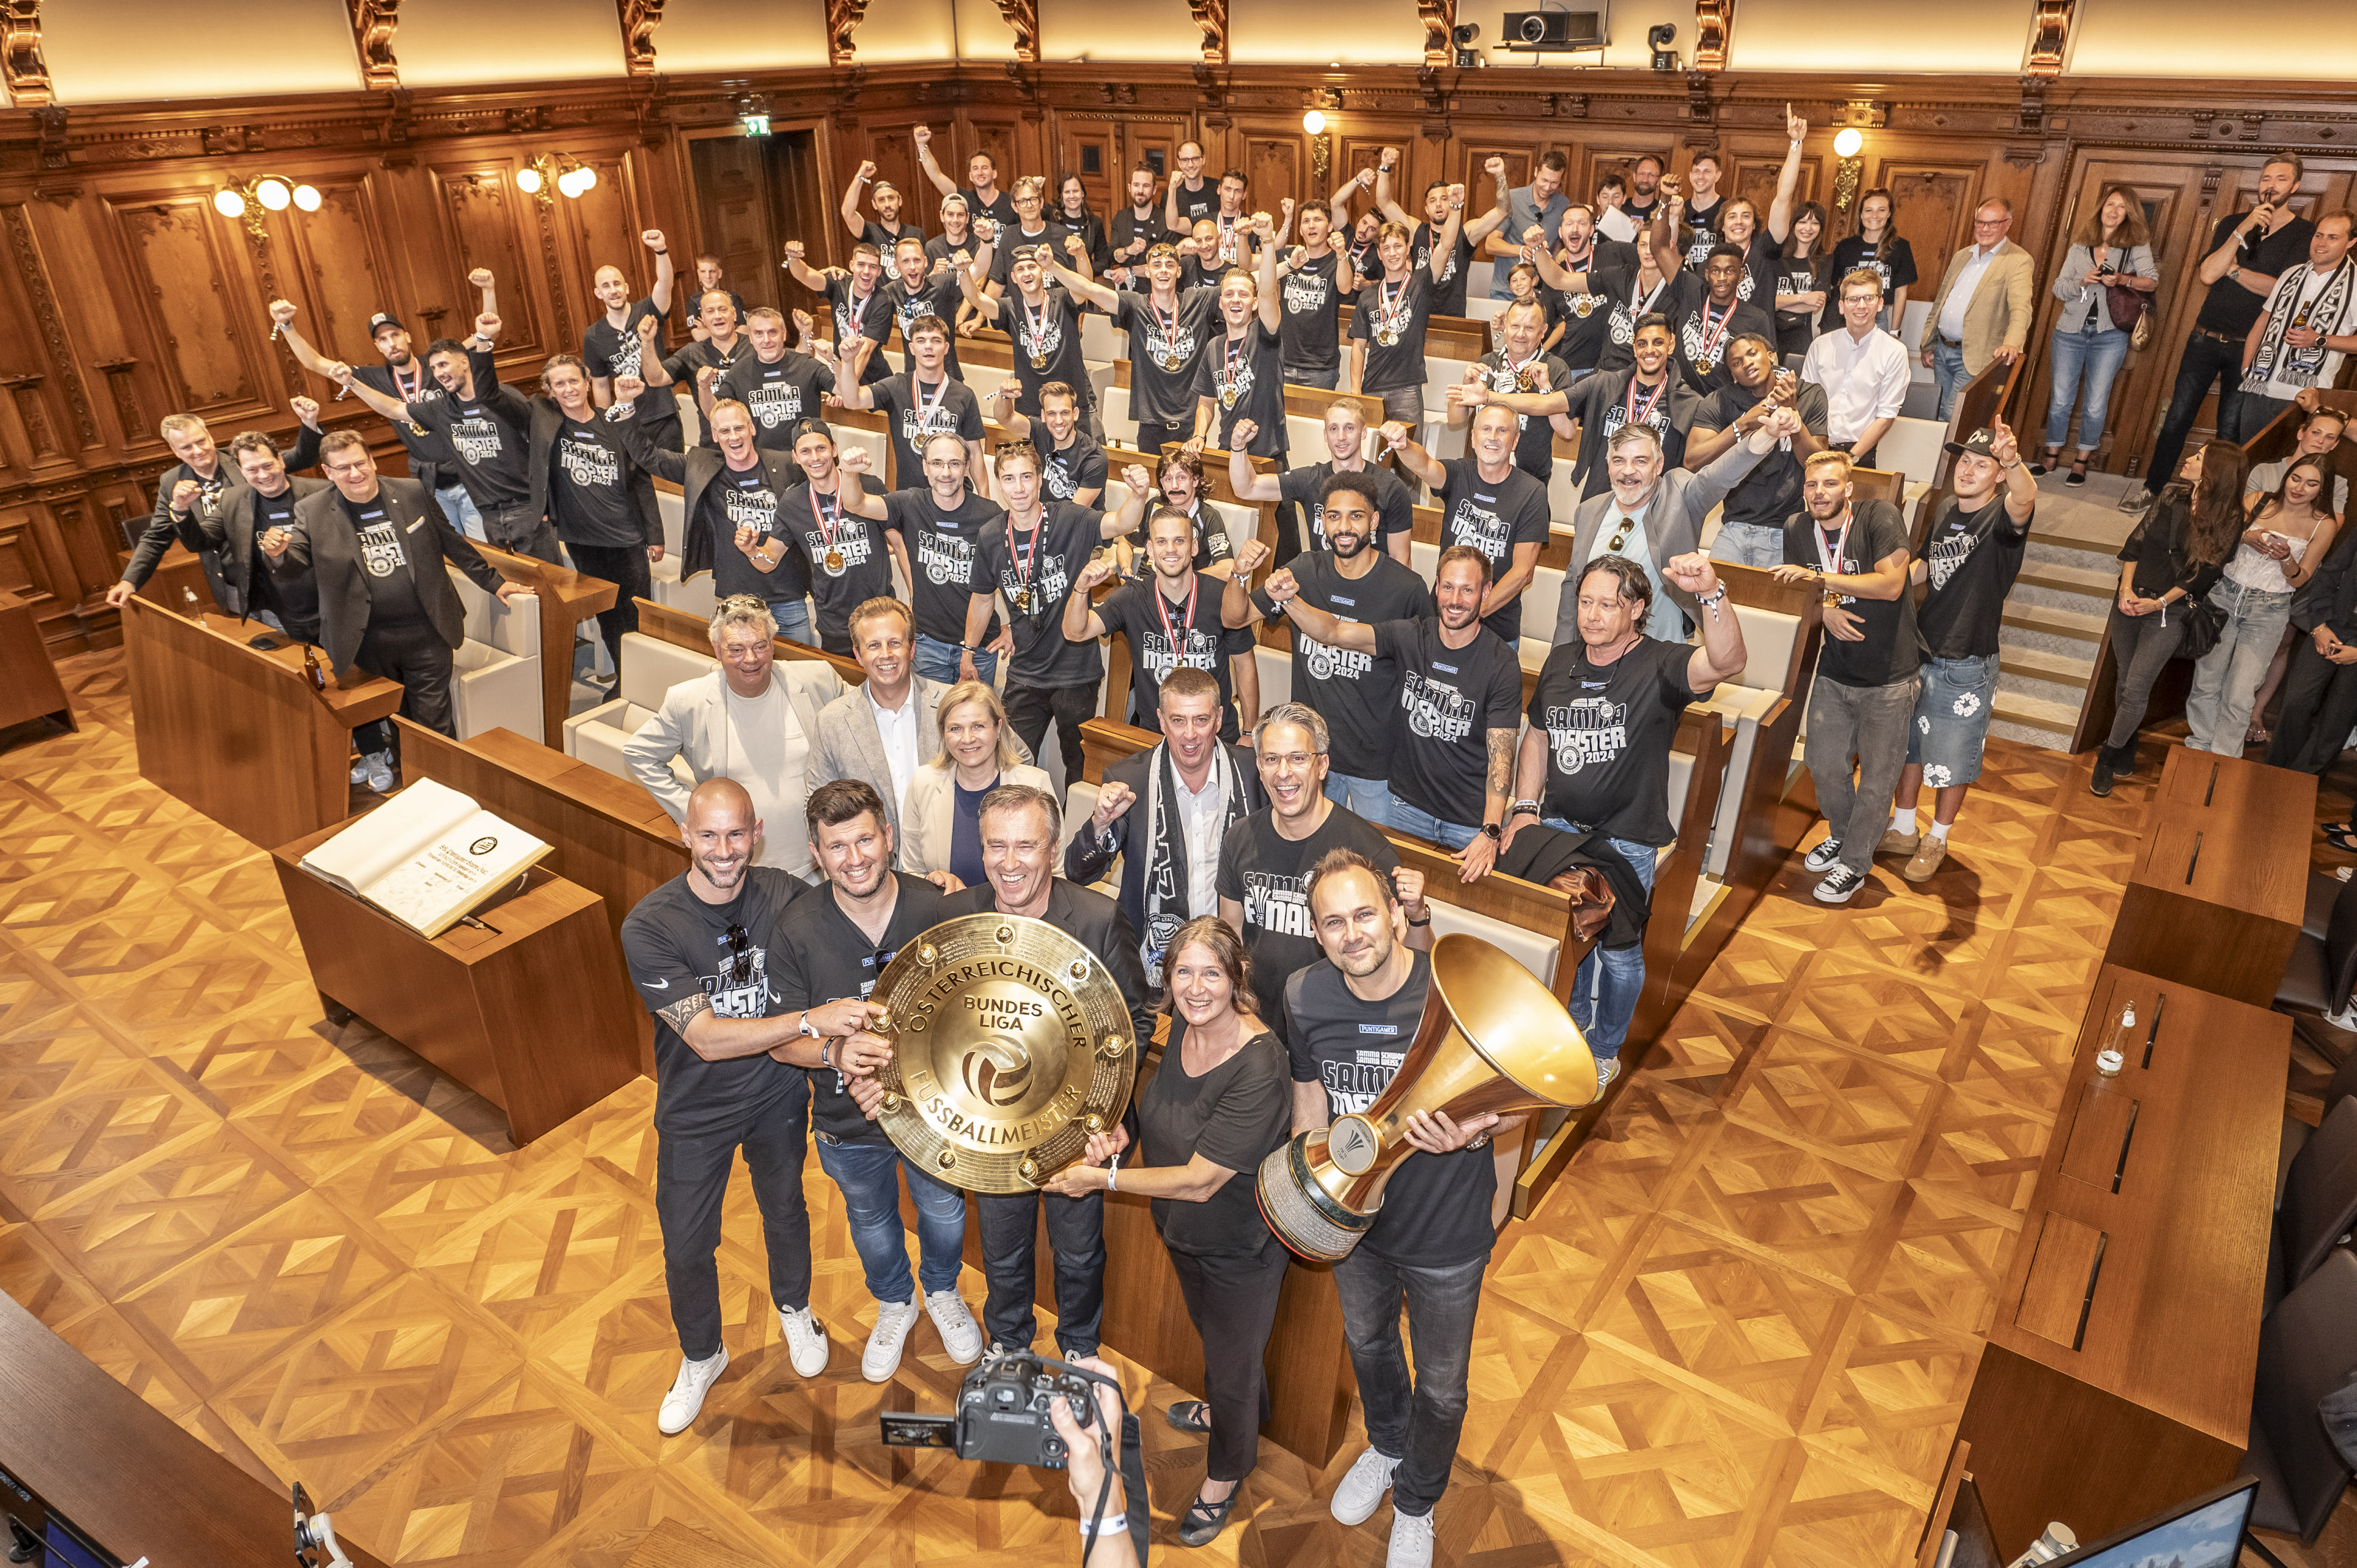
(729, 192)
(1935, 200)
(191, 284)
(1091, 148)
(50, 417)
(487, 222)
(340, 267)
(601, 228)
(1354, 150)
(1153, 140)
(1755, 178)
(799, 181)
(1275, 162)
(1521, 157)
(895, 152)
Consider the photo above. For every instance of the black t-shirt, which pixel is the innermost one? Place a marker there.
(1000, 206)
(1493, 518)
(1395, 502)
(776, 395)
(1702, 331)
(869, 318)
(1757, 287)
(588, 495)
(1802, 274)
(1627, 301)
(1893, 261)
(413, 385)
(1163, 637)
(296, 599)
(735, 500)
(1212, 542)
(1436, 1212)
(822, 957)
(1236, 1115)
(884, 237)
(1609, 730)
(692, 356)
(1610, 399)
(1771, 493)
(1586, 314)
(866, 570)
(1705, 223)
(1969, 566)
(1535, 446)
(1043, 661)
(1163, 349)
(2230, 307)
(676, 945)
(1201, 201)
(384, 558)
(940, 556)
(609, 351)
(1012, 239)
(1066, 471)
(1312, 325)
(1390, 319)
(1268, 874)
(1047, 347)
(957, 253)
(1890, 651)
(938, 296)
(1244, 379)
(1448, 294)
(1453, 698)
(491, 444)
(915, 415)
(1357, 693)
(1126, 229)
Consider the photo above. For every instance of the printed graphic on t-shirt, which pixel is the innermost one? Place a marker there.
(625, 355)
(775, 402)
(1436, 711)
(1039, 339)
(749, 506)
(1354, 1086)
(1704, 344)
(748, 999)
(1579, 306)
(1307, 293)
(1423, 260)
(853, 545)
(475, 437)
(588, 462)
(1181, 345)
(919, 426)
(210, 494)
(1587, 732)
(1198, 651)
(1503, 378)
(1063, 484)
(380, 550)
(847, 319)
(1480, 527)
(1048, 582)
(945, 558)
(1949, 553)
(1231, 377)
(1326, 664)
(1279, 905)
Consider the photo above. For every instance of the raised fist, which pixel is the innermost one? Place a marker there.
(486, 327)
(805, 323)
(1011, 387)
(920, 135)
(307, 409)
(648, 326)
(1456, 196)
(1366, 178)
(1395, 433)
(1241, 434)
(1249, 556)
(1534, 235)
(1264, 227)
(653, 240)
(627, 388)
(1139, 481)
(705, 376)
(1113, 801)
(867, 171)
(1285, 204)
(1495, 167)
(183, 494)
(855, 460)
(480, 278)
(1075, 245)
(1282, 585)
(795, 251)
(282, 311)
(1391, 159)
(1094, 573)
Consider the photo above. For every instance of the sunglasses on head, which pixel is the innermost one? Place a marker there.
(741, 955)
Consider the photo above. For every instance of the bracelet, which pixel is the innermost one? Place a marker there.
(826, 1053)
(1524, 809)
(1111, 1171)
(1114, 1524)
(1712, 601)
(1420, 924)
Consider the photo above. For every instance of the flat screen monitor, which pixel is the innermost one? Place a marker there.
(2206, 1533)
(69, 1548)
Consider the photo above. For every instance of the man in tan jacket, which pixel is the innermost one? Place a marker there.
(1985, 305)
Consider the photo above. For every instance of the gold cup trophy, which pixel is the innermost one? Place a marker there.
(1492, 1039)
(1011, 1045)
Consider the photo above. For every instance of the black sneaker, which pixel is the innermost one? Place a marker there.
(2105, 763)
(1840, 886)
(1823, 857)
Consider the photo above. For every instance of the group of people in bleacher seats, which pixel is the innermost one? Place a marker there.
(1238, 868)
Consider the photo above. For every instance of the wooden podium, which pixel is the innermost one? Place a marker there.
(239, 733)
(29, 688)
(532, 1014)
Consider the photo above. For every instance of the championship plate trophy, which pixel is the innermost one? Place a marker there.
(1492, 1039)
(1011, 1045)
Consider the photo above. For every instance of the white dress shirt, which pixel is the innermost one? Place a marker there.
(1951, 313)
(1200, 816)
(897, 730)
(1865, 379)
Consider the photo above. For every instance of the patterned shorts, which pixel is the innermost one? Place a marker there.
(1952, 720)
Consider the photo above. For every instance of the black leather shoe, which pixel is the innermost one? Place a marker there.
(1189, 1415)
(2101, 784)
(1202, 1523)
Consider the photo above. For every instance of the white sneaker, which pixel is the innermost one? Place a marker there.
(379, 772)
(961, 1336)
(1363, 1488)
(1410, 1542)
(360, 770)
(805, 1341)
(882, 1357)
(695, 1379)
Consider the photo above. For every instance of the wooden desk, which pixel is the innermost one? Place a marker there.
(606, 835)
(2220, 885)
(178, 582)
(122, 1470)
(566, 599)
(237, 733)
(2118, 1373)
(532, 1014)
(29, 688)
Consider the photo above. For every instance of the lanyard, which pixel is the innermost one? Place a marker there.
(1640, 301)
(1631, 414)
(1027, 563)
(925, 407)
(1831, 561)
(828, 522)
(1710, 335)
(411, 389)
(1394, 315)
(1038, 318)
(1175, 640)
(1170, 325)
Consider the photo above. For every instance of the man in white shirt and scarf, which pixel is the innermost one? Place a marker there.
(2309, 322)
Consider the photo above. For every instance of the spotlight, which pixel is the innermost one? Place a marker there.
(229, 203)
(274, 194)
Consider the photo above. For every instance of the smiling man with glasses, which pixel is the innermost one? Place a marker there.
(1983, 307)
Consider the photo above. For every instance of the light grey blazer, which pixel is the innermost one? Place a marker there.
(1673, 526)
(931, 810)
(848, 746)
(689, 725)
(2078, 298)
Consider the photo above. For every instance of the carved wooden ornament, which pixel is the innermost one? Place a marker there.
(373, 22)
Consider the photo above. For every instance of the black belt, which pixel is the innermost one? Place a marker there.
(2221, 337)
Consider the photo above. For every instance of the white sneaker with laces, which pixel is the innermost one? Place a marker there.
(1822, 858)
(681, 1406)
(882, 1357)
(379, 772)
(360, 770)
(961, 1336)
(1607, 1070)
(1363, 1485)
(1410, 1542)
(806, 1344)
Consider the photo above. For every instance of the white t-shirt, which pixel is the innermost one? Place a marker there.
(763, 747)
(2294, 371)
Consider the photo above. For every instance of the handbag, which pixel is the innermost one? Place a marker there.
(2204, 624)
(2131, 311)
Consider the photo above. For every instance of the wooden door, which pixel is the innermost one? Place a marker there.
(1091, 149)
(732, 204)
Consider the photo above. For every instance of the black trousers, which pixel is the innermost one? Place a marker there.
(1029, 709)
(2205, 361)
(691, 1181)
(1231, 1301)
(412, 652)
(1150, 437)
(1010, 1229)
(2320, 708)
(626, 566)
(515, 529)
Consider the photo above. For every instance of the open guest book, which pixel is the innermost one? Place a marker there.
(425, 857)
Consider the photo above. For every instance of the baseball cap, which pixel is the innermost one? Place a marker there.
(382, 319)
(1979, 442)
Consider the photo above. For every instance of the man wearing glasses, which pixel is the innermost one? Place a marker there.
(1983, 307)
(729, 1061)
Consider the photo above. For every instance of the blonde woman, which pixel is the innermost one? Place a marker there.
(940, 820)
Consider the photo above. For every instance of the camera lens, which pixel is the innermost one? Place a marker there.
(1534, 28)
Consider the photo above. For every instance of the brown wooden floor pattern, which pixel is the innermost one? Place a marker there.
(1739, 1332)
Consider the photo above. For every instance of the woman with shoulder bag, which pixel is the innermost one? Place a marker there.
(2167, 564)
(2111, 252)
(2290, 527)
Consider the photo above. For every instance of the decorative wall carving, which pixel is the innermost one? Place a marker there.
(1023, 15)
(21, 65)
(35, 282)
(1439, 19)
(373, 22)
(843, 16)
(640, 20)
(1211, 16)
(2049, 37)
(1713, 20)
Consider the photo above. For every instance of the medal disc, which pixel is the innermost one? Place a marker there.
(834, 563)
(1038, 361)
(1174, 363)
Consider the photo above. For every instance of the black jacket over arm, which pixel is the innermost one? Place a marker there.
(2159, 545)
(330, 547)
(692, 471)
(547, 419)
(232, 534)
(1087, 857)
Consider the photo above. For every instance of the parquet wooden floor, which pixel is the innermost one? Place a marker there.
(1738, 1335)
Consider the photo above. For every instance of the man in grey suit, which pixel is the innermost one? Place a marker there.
(1654, 513)
(751, 719)
(882, 732)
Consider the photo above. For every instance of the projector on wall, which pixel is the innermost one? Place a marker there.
(1554, 32)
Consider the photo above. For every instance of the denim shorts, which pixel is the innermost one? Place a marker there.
(1952, 719)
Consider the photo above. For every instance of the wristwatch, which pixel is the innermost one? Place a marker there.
(1493, 832)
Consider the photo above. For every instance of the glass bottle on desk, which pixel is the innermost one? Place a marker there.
(2115, 1055)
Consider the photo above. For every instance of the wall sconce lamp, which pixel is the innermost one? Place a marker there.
(272, 192)
(1846, 143)
(1321, 145)
(564, 173)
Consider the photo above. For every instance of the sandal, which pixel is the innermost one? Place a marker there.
(2078, 474)
(1189, 1416)
(2054, 455)
(1202, 1522)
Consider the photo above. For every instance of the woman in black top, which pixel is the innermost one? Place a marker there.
(1802, 271)
(1220, 1102)
(1877, 244)
(2175, 555)
(1072, 211)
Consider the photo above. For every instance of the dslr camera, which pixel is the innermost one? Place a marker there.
(1002, 1413)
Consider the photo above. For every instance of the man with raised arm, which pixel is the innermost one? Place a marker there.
(1073, 468)
(1751, 524)
(1539, 205)
(1172, 621)
(926, 400)
(1490, 504)
(1169, 328)
(920, 287)
(191, 495)
(1646, 391)
(1190, 196)
(779, 386)
(981, 194)
(885, 229)
(854, 298)
(1520, 364)
(1040, 315)
(1448, 256)
(1346, 444)
(1316, 277)
(612, 344)
(1241, 376)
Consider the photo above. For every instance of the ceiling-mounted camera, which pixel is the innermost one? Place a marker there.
(1467, 57)
(1658, 38)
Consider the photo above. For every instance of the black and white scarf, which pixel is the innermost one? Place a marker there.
(1166, 849)
(2327, 313)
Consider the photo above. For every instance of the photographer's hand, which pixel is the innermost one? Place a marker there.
(1086, 1472)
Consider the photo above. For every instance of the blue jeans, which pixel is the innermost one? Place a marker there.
(868, 1175)
(1407, 820)
(1369, 798)
(2226, 679)
(938, 660)
(1759, 544)
(1604, 993)
(459, 508)
(1948, 371)
(2094, 358)
(794, 622)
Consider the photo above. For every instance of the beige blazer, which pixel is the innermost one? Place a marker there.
(1999, 311)
(928, 815)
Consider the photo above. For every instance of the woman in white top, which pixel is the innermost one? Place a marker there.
(941, 830)
(2111, 247)
(2288, 531)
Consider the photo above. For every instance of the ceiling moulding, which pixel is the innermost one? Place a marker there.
(27, 73)
(842, 19)
(640, 20)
